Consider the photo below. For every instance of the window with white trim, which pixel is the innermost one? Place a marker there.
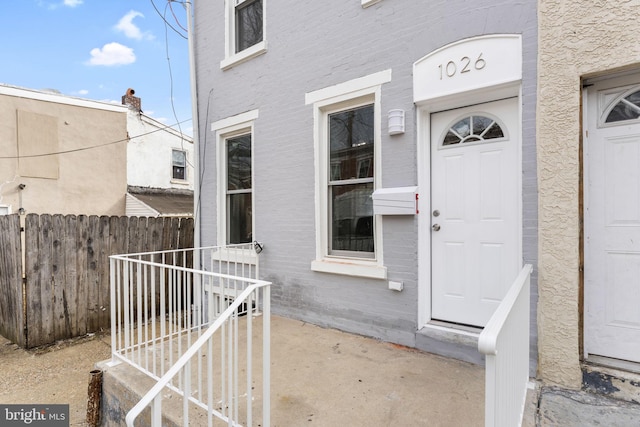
(235, 177)
(351, 145)
(245, 31)
(178, 164)
(238, 189)
(347, 152)
(5, 209)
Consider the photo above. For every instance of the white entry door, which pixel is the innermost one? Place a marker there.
(612, 220)
(475, 201)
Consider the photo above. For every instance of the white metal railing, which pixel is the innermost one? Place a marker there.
(505, 342)
(167, 317)
(196, 378)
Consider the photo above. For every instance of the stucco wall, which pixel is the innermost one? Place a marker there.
(149, 154)
(313, 46)
(576, 39)
(90, 181)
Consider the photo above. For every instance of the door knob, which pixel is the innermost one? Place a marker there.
(436, 213)
(436, 227)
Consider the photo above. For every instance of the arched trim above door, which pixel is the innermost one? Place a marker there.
(465, 67)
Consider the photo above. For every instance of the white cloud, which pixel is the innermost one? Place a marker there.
(131, 30)
(54, 6)
(83, 92)
(112, 54)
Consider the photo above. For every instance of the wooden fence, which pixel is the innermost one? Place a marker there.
(65, 289)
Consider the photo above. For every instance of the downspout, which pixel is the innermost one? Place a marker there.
(198, 295)
(196, 145)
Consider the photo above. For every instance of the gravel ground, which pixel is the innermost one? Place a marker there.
(57, 373)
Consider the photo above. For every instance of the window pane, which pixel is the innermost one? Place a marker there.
(472, 129)
(480, 123)
(352, 217)
(248, 24)
(351, 143)
(239, 215)
(178, 172)
(239, 163)
(495, 131)
(178, 158)
(626, 109)
(462, 127)
(451, 138)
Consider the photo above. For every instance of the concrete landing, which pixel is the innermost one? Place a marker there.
(325, 377)
(558, 407)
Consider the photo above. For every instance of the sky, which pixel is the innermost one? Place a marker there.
(97, 49)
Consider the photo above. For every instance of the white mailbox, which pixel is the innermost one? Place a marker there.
(395, 201)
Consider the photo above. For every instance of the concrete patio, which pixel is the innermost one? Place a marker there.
(326, 377)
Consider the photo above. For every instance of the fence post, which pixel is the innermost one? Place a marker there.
(12, 316)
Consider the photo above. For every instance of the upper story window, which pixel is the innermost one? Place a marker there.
(179, 165)
(245, 31)
(347, 163)
(248, 24)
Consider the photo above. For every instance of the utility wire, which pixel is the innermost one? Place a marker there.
(175, 17)
(92, 146)
(173, 107)
(166, 22)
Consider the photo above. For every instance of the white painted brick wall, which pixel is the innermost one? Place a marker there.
(312, 45)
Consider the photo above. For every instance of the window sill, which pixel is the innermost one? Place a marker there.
(350, 268)
(239, 255)
(180, 181)
(245, 55)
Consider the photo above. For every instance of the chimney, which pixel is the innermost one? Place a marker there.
(133, 102)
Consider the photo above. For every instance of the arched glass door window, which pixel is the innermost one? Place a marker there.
(626, 108)
(473, 128)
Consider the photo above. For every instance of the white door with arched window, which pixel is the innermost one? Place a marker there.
(474, 210)
(612, 219)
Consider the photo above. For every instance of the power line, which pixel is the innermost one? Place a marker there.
(92, 146)
(166, 22)
(166, 46)
(175, 17)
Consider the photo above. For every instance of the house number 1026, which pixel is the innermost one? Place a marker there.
(465, 65)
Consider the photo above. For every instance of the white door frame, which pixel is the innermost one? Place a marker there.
(424, 182)
(613, 83)
(463, 73)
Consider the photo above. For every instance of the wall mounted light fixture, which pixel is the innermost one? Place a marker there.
(396, 122)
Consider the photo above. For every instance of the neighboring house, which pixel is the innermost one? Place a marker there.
(61, 155)
(66, 155)
(159, 166)
(589, 184)
(383, 152)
